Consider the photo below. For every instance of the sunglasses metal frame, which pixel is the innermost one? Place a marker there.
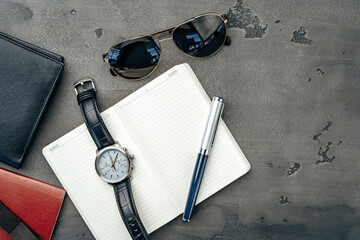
(163, 35)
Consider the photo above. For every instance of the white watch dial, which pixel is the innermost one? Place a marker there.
(112, 165)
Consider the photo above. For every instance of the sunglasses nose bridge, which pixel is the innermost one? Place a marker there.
(164, 35)
(165, 39)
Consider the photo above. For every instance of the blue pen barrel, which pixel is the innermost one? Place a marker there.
(207, 142)
(195, 185)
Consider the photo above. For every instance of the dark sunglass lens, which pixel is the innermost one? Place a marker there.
(136, 58)
(202, 36)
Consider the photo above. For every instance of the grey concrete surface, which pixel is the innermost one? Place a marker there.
(291, 81)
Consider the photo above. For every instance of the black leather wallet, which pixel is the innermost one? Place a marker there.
(28, 75)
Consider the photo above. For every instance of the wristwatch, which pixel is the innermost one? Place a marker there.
(113, 163)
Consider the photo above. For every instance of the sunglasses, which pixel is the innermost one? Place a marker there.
(136, 58)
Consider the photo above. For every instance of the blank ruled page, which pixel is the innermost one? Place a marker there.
(166, 118)
(72, 158)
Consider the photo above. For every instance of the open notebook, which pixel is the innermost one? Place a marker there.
(162, 125)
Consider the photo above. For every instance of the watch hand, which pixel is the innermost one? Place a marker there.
(113, 165)
(112, 162)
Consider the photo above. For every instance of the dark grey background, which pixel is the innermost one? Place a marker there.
(290, 80)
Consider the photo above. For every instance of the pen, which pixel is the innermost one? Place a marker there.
(207, 142)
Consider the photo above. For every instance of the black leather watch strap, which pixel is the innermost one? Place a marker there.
(126, 204)
(91, 114)
(102, 138)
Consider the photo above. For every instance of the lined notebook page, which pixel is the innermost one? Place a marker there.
(166, 119)
(72, 158)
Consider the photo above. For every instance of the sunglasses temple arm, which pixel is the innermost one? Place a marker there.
(105, 56)
(227, 38)
(225, 17)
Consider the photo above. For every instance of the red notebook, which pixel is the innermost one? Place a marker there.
(4, 235)
(36, 203)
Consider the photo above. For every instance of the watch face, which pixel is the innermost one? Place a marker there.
(112, 165)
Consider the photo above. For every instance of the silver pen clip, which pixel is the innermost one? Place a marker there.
(216, 125)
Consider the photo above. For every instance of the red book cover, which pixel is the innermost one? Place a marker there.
(36, 203)
(4, 235)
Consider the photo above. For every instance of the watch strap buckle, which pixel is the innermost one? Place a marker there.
(84, 84)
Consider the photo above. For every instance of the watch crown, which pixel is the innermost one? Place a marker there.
(131, 156)
(132, 166)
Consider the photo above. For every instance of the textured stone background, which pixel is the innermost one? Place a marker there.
(291, 81)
